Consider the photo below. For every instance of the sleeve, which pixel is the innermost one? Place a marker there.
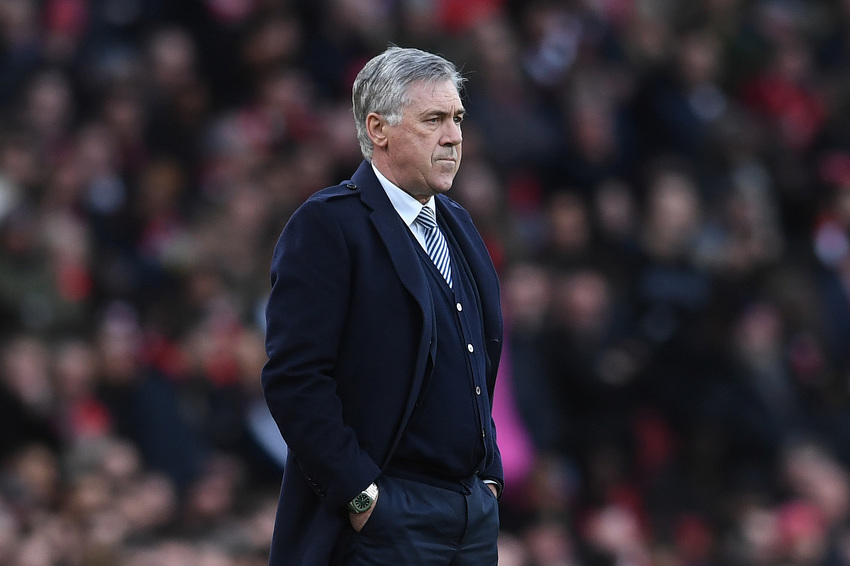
(305, 318)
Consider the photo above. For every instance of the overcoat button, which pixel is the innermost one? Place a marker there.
(350, 186)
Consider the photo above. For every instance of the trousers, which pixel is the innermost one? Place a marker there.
(418, 524)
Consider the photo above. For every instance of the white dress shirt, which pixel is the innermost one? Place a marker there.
(406, 206)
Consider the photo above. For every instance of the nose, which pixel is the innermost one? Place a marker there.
(451, 133)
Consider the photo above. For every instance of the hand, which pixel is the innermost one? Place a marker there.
(358, 520)
(490, 485)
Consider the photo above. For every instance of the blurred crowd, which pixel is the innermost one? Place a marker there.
(664, 187)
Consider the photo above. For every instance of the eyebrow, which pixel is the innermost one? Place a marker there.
(434, 112)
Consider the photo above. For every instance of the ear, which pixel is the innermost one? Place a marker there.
(376, 128)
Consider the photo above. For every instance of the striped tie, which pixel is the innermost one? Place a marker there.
(435, 243)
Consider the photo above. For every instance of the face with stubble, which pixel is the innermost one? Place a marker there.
(421, 154)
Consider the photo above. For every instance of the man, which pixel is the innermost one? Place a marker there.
(382, 363)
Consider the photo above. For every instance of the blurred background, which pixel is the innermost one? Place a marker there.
(664, 187)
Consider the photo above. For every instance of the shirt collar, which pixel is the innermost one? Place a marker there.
(406, 206)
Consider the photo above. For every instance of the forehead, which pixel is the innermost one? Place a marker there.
(433, 95)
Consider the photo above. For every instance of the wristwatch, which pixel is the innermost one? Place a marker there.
(364, 500)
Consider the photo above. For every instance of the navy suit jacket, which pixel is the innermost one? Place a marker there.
(349, 338)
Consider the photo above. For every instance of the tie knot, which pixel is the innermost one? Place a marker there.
(427, 218)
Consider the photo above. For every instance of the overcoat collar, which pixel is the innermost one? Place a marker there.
(393, 232)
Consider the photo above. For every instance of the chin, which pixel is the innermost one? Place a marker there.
(443, 184)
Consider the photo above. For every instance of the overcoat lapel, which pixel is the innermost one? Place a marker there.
(485, 282)
(474, 252)
(407, 265)
(391, 229)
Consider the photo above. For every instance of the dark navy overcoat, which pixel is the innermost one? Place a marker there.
(349, 339)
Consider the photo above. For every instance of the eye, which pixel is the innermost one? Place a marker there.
(458, 119)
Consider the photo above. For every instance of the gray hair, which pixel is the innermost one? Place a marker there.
(381, 86)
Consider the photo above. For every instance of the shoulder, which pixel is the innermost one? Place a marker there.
(349, 189)
(331, 210)
(340, 199)
(449, 202)
(452, 207)
(343, 190)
